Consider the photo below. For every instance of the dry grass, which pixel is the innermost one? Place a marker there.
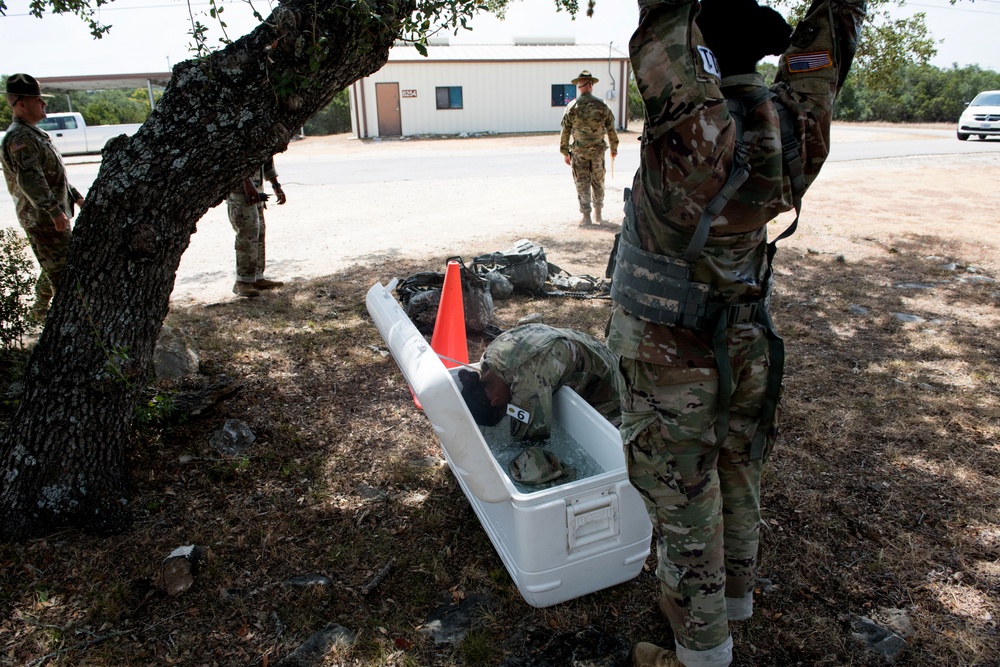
(882, 493)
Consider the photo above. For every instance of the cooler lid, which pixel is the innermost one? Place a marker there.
(467, 452)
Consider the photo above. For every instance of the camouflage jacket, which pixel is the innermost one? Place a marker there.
(36, 177)
(587, 119)
(536, 360)
(685, 107)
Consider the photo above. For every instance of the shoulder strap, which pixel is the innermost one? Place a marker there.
(793, 162)
(738, 174)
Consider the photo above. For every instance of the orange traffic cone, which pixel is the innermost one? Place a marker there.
(448, 338)
(449, 327)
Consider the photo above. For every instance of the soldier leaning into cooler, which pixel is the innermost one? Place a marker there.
(524, 367)
(588, 119)
(701, 361)
(246, 214)
(36, 179)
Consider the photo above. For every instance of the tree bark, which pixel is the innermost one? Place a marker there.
(62, 459)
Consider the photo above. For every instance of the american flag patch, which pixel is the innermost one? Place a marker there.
(809, 62)
(16, 146)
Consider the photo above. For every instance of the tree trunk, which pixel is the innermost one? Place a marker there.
(62, 460)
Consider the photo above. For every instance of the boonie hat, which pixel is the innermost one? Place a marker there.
(584, 77)
(536, 466)
(24, 85)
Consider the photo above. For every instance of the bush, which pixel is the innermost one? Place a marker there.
(17, 281)
(334, 119)
(636, 110)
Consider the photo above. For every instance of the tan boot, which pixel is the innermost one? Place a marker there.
(598, 218)
(645, 654)
(264, 283)
(245, 290)
(585, 220)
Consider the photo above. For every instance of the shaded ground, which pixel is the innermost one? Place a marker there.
(882, 493)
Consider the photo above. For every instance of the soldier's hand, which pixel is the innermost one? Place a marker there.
(79, 202)
(568, 159)
(250, 192)
(280, 194)
(614, 154)
(61, 222)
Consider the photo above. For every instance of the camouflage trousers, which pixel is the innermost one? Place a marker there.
(702, 497)
(50, 248)
(248, 223)
(588, 174)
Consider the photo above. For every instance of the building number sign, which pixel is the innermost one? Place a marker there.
(409, 93)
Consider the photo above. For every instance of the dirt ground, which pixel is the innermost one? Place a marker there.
(881, 499)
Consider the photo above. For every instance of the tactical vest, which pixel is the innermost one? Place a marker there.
(660, 289)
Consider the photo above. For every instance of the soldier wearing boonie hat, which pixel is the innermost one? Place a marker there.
(36, 179)
(586, 120)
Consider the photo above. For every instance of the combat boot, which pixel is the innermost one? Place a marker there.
(598, 218)
(645, 654)
(245, 290)
(264, 283)
(585, 220)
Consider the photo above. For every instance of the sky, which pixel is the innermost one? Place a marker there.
(151, 35)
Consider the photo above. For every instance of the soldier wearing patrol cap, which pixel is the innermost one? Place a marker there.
(36, 179)
(722, 154)
(586, 121)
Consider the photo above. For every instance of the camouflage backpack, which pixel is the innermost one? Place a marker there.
(523, 266)
(421, 294)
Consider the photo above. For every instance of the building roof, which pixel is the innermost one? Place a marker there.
(505, 53)
(65, 84)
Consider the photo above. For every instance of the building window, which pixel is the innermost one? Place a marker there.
(563, 94)
(449, 97)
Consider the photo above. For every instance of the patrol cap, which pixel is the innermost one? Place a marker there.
(535, 466)
(474, 393)
(585, 77)
(24, 85)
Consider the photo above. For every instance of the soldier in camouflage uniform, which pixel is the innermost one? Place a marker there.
(700, 358)
(246, 214)
(588, 119)
(524, 367)
(36, 179)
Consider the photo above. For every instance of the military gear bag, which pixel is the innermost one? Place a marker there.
(421, 294)
(523, 265)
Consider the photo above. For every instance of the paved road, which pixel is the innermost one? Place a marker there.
(430, 159)
(352, 201)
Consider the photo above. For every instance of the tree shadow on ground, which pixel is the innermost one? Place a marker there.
(881, 493)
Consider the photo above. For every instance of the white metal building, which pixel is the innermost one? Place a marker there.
(522, 87)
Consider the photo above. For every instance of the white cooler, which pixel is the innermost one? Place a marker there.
(557, 543)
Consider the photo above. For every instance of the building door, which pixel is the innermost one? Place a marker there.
(390, 123)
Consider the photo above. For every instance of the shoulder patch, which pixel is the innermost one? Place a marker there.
(809, 62)
(15, 146)
(708, 61)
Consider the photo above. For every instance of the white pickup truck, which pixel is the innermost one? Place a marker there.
(72, 136)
